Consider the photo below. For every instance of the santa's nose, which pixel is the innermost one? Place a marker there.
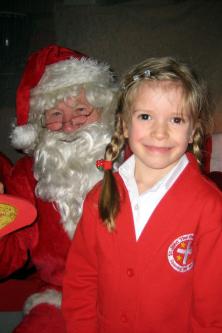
(67, 124)
(70, 124)
(68, 127)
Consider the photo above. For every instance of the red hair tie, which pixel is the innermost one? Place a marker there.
(104, 165)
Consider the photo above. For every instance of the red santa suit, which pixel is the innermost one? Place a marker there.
(169, 280)
(46, 242)
(52, 74)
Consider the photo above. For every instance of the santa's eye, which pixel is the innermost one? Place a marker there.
(81, 109)
(56, 113)
(53, 113)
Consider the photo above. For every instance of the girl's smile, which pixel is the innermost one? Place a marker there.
(156, 149)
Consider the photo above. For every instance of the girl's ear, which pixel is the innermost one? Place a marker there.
(125, 130)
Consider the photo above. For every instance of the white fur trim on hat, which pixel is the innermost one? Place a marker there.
(23, 136)
(64, 74)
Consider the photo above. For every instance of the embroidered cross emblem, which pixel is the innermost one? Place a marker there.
(186, 252)
(180, 253)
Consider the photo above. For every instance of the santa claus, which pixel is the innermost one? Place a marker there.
(65, 104)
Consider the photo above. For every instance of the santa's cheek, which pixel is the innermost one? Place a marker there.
(54, 127)
(78, 121)
(93, 118)
(81, 121)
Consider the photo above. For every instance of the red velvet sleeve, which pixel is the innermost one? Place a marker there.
(80, 282)
(15, 247)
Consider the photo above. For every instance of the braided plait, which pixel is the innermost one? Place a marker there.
(202, 118)
(197, 146)
(109, 201)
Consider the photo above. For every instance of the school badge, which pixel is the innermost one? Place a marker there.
(180, 253)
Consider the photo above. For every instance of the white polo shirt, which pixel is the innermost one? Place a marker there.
(144, 204)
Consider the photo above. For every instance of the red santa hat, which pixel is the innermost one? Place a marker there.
(50, 74)
(34, 71)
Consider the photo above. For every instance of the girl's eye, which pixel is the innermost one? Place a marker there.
(145, 116)
(177, 120)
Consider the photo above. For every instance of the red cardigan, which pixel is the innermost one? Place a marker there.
(168, 281)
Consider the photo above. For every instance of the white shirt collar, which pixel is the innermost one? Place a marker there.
(126, 171)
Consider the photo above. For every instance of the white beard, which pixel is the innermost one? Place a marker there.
(65, 168)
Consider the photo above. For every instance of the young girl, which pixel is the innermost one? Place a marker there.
(147, 254)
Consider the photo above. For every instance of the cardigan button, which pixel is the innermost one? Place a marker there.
(123, 318)
(130, 272)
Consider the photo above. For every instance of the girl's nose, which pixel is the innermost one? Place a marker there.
(160, 130)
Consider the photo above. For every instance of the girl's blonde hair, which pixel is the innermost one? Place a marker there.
(195, 99)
